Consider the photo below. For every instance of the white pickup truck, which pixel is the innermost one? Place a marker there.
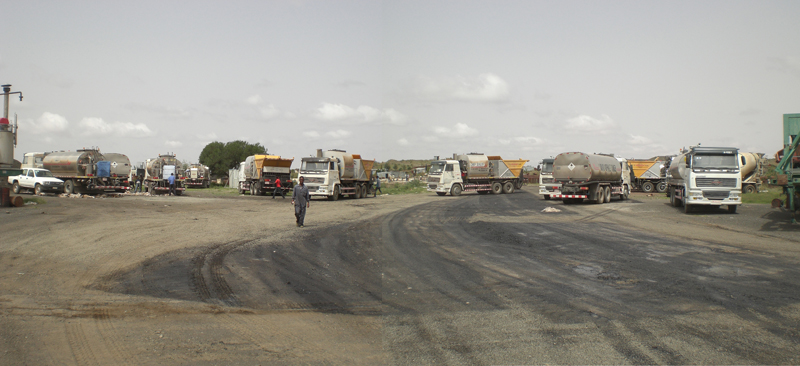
(39, 180)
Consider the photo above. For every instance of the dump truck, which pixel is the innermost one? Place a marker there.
(261, 172)
(707, 176)
(788, 168)
(596, 177)
(335, 173)
(648, 175)
(752, 169)
(197, 176)
(86, 171)
(547, 185)
(157, 172)
(475, 172)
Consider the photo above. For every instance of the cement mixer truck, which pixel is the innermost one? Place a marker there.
(707, 176)
(88, 171)
(157, 172)
(475, 172)
(261, 173)
(335, 173)
(596, 177)
(752, 168)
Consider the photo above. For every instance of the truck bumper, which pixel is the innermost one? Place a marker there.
(698, 197)
(559, 195)
(438, 188)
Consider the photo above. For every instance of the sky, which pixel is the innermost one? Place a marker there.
(401, 79)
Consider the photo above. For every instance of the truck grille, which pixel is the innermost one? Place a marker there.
(716, 182)
(548, 180)
(318, 180)
(715, 195)
(433, 179)
(432, 186)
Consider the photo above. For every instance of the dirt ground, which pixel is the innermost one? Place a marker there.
(203, 280)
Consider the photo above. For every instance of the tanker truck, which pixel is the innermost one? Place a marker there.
(157, 172)
(336, 173)
(119, 169)
(752, 169)
(547, 186)
(596, 177)
(261, 172)
(707, 176)
(475, 172)
(648, 175)
(87, 171)
(198, 176)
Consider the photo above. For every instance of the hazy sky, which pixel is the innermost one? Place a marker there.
(401, 79)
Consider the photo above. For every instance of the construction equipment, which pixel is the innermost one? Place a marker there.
(475, 172)
(336, 173)
(788, 168)
(261, 173)
(596, 177)
(705, 176)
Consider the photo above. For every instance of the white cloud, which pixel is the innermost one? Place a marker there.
(267, 111)
(339, 134)
(521, 140)
(588, 124)
(93, 126)
(639, 140)
(402, 142)
(487, 87)
(47, 123)
(172, 143)
(311, 134)
(362, 114)
(458, 130)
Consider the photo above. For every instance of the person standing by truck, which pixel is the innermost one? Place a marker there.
(278, 189)
(171, 180)
(377, 186)
(301, 199)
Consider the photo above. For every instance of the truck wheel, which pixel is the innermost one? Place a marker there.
(625, 192)
(599, 195)
(687, 208)
(547, 197)
(69, 187)
(518, 184)
(607, 195)
(335, 195)
(732, 209)
(661, 187)
(15, 187)
(497, 188)
(241, 190)
(566, 201)
(747, 189)
(455, 190)
(178, 192)
(647, 187)
(441, 193)
(508, 187)
(357, 195)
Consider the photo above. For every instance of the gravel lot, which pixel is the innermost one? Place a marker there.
(412, 279)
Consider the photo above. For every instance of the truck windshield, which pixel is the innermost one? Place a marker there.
(43, 173)
(706, 161)
(437, 167)
(547, 168)
(314, 165)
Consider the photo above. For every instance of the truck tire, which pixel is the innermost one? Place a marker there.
(625, 192)
(241, 189)
(547, 197)
(37, 190)
(69, 186)
(335, 195)
(661, 187)
(647, 187)
(599, 195)
(178, 192)
(497, 188)
(748, 189)
(518, 184)
(15, 187)
(687, 208)
(607, 195)
(732, 209)
(508, 187)
(455, 190)
(357, 195)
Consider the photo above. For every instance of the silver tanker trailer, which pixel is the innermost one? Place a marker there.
(157, 172)
(120, 168)
(595, 177)
(84, 171)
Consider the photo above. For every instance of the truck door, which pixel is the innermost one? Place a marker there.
(449, 175)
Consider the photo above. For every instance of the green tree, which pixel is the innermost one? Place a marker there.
(220, 157)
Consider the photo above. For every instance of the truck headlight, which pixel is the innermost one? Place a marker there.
(733, 195)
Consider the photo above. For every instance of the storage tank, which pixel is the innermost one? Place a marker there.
(748, 163)
(155, 167)
(477, 165)
(79, 163)
(120, 164)
(250, 170)
(580, 167)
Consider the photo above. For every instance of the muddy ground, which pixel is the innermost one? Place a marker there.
(412, 279)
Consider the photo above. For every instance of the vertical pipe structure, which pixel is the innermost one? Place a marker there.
(7, 141)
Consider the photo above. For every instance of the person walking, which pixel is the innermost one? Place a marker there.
(171, 181)
(278, 189)
(377, 186)
(301, 200)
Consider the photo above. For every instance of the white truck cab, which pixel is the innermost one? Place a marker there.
(706, 176)
(547, 185)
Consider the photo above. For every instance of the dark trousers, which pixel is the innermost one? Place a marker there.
(300, 213)
(172, 189)
(279, 190)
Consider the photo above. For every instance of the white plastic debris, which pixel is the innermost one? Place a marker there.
(551, 209)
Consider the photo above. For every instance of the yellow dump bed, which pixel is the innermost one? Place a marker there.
(368, 164)
(641, 166)
(272, 160)
(515, 166)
